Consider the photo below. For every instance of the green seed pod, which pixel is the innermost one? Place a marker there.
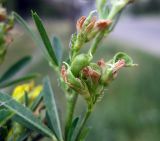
(107, 76)
(78, 85)
(73, 81)
(79, 62)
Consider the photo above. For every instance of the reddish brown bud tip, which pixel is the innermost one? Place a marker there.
(91, 24)
(118, 65)
(102, 24)
(80, 23)
(86, 71)
(64, 73)
(90, 73)
(101, 63)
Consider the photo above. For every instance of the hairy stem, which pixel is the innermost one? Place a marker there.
(96, 42)
(88, 113)
(71, 102)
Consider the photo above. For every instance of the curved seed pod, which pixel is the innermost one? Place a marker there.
(128, 60)
(79, 62)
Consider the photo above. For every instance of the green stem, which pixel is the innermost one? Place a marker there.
(71, 102)
(96, 42)
(88, 113)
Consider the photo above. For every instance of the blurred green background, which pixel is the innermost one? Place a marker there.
(130, 109)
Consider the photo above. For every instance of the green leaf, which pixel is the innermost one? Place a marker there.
(45, 38)
(72, 129)
(52, 108)
(26, 99)
(5, 115)
(18, 80)
(15, 68)
(25, 115)
(34, 37)
(36, 102)
(57, 47)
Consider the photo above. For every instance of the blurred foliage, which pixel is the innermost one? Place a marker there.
(54, 8)
(146, 7)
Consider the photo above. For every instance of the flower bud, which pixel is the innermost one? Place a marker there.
(84, 25)
(75, 83)
(92, 72)
(80, 23)
(110, 71)
(89, 19)
(90, 26)
(117, 66)
(101, 63)
(79, 62)
(102, 24)
(98, 27)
